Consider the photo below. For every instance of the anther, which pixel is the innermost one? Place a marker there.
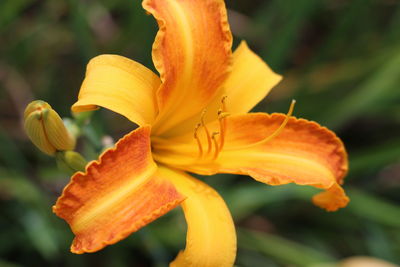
(223, 100)
(223, 115)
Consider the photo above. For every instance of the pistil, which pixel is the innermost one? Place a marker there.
(274, 134)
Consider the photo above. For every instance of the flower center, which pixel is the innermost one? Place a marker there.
(179, 151)
(214, 146)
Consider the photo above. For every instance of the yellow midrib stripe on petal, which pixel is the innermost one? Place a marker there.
(108, 200)
(188, 40)
(279, 158)
(183, 23)
(231, 159)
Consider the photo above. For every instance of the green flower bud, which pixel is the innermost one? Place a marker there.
(46, 129)
(70, 161)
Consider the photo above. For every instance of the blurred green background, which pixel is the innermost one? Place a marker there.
(341, 62)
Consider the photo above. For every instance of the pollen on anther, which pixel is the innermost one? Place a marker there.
(223, 100)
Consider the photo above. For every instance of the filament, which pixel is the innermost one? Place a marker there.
(206, 131)
(198, 140)
(222, 127)
(212, 140)
(216, 145)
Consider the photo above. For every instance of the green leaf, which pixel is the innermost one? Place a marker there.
(10, 10)
(283, 250)
(373, 158)
(4, 263)
(373, 208)
(377, 89)
(244, 199)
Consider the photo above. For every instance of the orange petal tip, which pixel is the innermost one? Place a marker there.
(117, 195)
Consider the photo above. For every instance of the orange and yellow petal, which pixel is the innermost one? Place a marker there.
(211, 236)
(116, 195)
(304, 153)
(250, 80)
(121, 85)
(192, 52)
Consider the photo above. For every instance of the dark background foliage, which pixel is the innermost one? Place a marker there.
(341, 62)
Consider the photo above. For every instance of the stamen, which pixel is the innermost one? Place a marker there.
(212, 139)
(198, 140)
(222, 127)
(206, 130)
(216, 152)
(223, 99)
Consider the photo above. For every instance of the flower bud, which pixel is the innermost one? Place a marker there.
(46, 129)
(70, 161)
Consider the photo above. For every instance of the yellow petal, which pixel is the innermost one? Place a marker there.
(121, 85)
(117, 195)
(250, 81)
(192, 52)
(211, 236)
(303, 153)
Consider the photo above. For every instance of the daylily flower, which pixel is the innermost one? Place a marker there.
(192, 119)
